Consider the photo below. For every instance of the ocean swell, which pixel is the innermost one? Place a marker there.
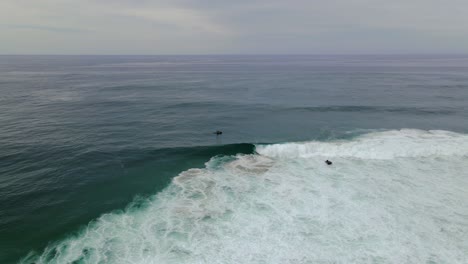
(390, 197)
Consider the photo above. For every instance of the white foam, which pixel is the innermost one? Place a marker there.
(377, 145)
(257, 209)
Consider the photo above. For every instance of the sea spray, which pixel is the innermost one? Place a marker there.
(390, 197)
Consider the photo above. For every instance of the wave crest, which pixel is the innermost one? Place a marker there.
(405, 143)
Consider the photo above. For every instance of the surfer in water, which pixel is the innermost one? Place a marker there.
(218, 132)
(328, 162)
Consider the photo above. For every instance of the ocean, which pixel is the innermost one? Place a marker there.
(112, 159)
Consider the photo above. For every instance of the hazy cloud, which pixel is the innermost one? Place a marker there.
(44, 28)
(178, 17)
(255, 26)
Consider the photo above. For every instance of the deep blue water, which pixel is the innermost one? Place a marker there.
(81, 136)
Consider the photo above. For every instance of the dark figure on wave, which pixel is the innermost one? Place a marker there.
(218, 132)
(328, 162)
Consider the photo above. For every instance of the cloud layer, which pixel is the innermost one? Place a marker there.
(213, 27)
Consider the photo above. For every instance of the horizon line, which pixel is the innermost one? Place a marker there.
(251, 54)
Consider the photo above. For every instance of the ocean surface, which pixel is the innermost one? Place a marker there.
(112, 159)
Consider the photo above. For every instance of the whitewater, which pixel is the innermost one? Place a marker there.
(396, 196)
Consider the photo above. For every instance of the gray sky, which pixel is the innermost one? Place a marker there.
(233, 26)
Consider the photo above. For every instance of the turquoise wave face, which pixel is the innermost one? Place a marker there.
(98, 185)
(389, 197)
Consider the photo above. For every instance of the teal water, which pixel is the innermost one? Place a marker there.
(111, 159)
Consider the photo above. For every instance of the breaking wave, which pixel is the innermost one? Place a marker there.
(390, 197)
(378, 145)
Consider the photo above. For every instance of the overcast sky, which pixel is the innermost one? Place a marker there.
(233, 26)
